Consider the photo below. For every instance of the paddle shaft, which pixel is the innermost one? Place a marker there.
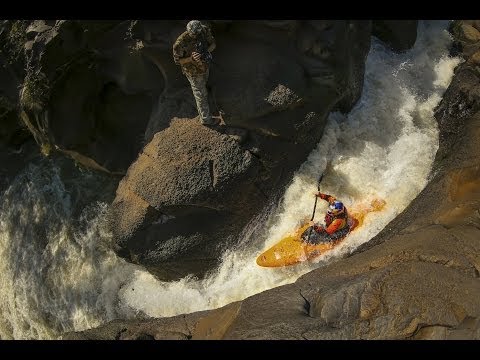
(315, 206)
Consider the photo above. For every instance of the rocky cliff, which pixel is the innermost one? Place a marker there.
(192, 190)
(417, 279)
(105, 94)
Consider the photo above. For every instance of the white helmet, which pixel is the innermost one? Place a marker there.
(336, 207)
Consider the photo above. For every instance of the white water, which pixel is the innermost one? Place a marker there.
(70, 280)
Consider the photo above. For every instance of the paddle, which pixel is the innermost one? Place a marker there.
(315, 206)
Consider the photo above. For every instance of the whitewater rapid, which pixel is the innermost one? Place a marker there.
(59, 275)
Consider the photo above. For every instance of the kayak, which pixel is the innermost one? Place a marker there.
(292, 249)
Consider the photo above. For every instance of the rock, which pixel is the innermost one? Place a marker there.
(12, 133)
(475, 59)
(466, 37)
(9, 124)
(116, 82)
(282, 97)
(474, 23)
(470, 33)
(460, 101)
(399, 35)
(115, 88)
(279, 54)
(189, 174)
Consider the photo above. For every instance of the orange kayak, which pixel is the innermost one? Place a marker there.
(292, 249)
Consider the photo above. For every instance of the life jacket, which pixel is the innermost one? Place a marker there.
(329, 218)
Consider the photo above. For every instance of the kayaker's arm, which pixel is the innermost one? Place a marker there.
(334, 226)
(326, 197)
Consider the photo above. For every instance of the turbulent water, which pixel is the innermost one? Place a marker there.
(57, 273)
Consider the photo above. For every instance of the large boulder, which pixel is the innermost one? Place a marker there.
(276, 82)
(399, 35)
(12, 39)
(266, 70)
(88, 89)
(11, 130)
(104, 88)
(89, 86)
(467, 36)
(189, 186)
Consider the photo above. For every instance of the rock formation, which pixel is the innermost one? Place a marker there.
(276, 81)
(417, 279)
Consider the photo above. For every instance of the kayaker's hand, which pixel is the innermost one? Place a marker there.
(196, 56)
(311, 223)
